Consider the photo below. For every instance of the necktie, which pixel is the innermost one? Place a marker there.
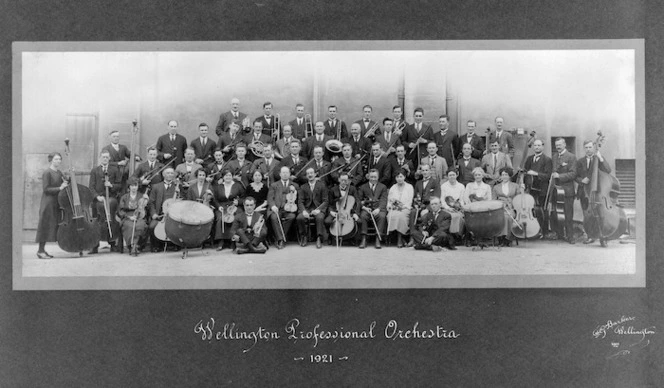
(432, 159)
(373, 189)
(319, 137)
(495, 161)
(151, 166)
(588, 163)
(295, 161)
(375, 161)
(419, 127)
(168, 186)
(172, 137)
(204, 139)
(320, 164)
(235, 114)
(401, 163)
(387, 137)
(425, 183)
(299, 121)
(536, 158)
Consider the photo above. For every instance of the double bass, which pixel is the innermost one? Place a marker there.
(78, 231)
(601, 201)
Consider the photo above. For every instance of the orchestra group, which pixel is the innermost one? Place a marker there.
(270, 183)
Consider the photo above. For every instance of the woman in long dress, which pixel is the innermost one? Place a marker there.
(49, 209)
(227, 196)
(399, 204)
(505, 190)
(133, 227)
(451, 193)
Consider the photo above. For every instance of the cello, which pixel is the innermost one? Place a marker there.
(526, 225)
(78, 231)
(601, 201)
(343, 226)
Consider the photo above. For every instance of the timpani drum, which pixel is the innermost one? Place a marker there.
(188, 223)
(485, 219)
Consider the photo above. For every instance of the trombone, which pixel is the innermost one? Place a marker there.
(308, 126)
(338, 129)
(371, 131)
(275, 127)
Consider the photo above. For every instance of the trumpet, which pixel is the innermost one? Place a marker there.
(308, 125)
(371, 131)
(399, 130)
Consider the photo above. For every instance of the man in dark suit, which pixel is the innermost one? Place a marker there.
(312, 201)
(425, 189)
(388, 140)
(538, 168)
(317, 140)
(215, 168)
(270, 122)
(351, 166)
(255, 139)
(584, 177)
(380, 163)
(402, 164)
(276, 199)
(203, 146)
(232, 116)
(366, 123)
(434, 230)
(334, 127)
(467, 164)
(475, 141)
(417, 136)
(361, 145)
(267, 165)
(148, 169)
(101, 177)
(240, 167)
(229, 140)
(298, 124)
(120, 156)
(505, 139)
(372, 199)
(447, 141)
(295, 163)
(564, 173)
(321, 166)
(160, 193)
(244, 229)
(397, 118)
(171, 145)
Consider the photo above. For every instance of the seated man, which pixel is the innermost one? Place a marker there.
(249, 230)
(312, 202)
(372, 197)
(279, 201)
(433, 232)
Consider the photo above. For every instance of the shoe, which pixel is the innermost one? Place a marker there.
(280, 244)
(43, 255)
(452, 247)
(363, 244)
(602, 243)
(399, 241)
(241, 251)
(589, 241)
(571, 241)
(319, 245)
(261, 247)
(220, 247)
(377, 243)
(303, 242)
(436, 248)
(155, 250)
(47, 255)
(94, 251)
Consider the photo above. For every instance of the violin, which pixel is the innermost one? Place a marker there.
(228, 216)
(454, 203)
(290, 205)
(474, 198)
(258, 225)
(142, 203)
(78, 231)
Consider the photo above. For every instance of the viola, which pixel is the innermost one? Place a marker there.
(78, 231)
(290, 205)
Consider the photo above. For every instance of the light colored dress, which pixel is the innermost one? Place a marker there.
(455, 192)
(399, 196)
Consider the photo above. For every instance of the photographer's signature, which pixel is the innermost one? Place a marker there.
(625, 334)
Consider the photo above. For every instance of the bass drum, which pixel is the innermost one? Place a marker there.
(485, 219)
(188, 223)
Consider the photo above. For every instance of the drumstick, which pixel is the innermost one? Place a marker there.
(281, 227)
(375, 226)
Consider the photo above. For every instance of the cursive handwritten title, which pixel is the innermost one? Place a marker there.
(295, 331)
